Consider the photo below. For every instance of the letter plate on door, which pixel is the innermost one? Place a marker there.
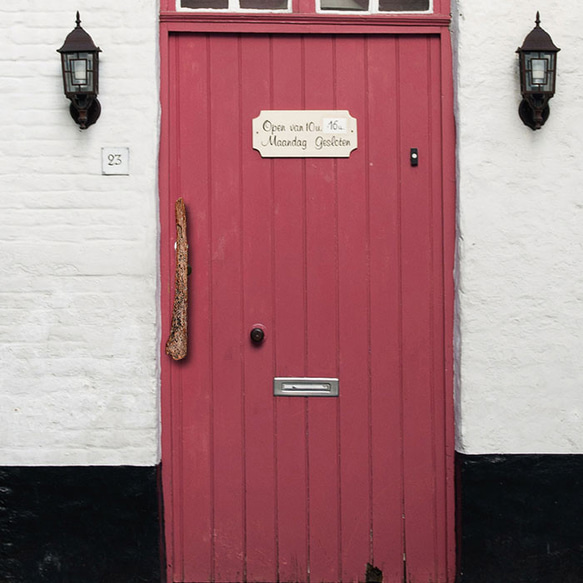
(305, 387)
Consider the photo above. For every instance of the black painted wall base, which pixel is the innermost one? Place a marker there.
(79, 525)
(520, 518)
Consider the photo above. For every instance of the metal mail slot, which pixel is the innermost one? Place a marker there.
(305, 387)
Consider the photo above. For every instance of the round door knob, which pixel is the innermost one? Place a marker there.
(257, 335)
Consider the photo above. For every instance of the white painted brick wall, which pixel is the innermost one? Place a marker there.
(78, 250)
(520, 370)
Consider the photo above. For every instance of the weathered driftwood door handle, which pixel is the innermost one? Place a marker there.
(177, 344)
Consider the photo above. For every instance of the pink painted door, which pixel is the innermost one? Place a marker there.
(342, 262)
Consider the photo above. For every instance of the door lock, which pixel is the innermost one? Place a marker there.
(414, 157)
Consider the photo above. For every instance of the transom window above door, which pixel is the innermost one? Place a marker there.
(235, 5)
(377, 5)
(362, 6)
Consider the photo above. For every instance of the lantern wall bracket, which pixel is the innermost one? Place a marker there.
(533, 117)
(84, 114)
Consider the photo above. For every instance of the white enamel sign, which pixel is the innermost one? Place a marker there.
(304, 134)
(115, 161)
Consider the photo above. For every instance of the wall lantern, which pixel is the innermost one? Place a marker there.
(538, 72)
(80, 63)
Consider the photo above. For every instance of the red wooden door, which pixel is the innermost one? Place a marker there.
(342, 262)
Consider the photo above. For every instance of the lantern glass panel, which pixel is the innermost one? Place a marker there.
(539, 70)
(79, 72)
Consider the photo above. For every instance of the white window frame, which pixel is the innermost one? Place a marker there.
(234, 6)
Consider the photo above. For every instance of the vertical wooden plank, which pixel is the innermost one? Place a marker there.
(195, 407)
(290, 320)
(351, 63)
(443, 193)
(168, 172)
(322, 323)
(448, 198)
(437, 341)
(226, 309)
(416, 239)
(418, 308)
(385, 319)
(257, 204)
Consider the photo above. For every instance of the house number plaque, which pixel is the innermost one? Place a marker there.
(304, 134)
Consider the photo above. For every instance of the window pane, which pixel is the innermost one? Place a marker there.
(344, 4)
(217, 4)
(264, 4)
(403, 5)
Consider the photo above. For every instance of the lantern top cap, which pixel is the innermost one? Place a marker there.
(78, 41)
(538, 40)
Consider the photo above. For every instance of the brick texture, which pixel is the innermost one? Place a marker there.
(520, 254)
(78, 250)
